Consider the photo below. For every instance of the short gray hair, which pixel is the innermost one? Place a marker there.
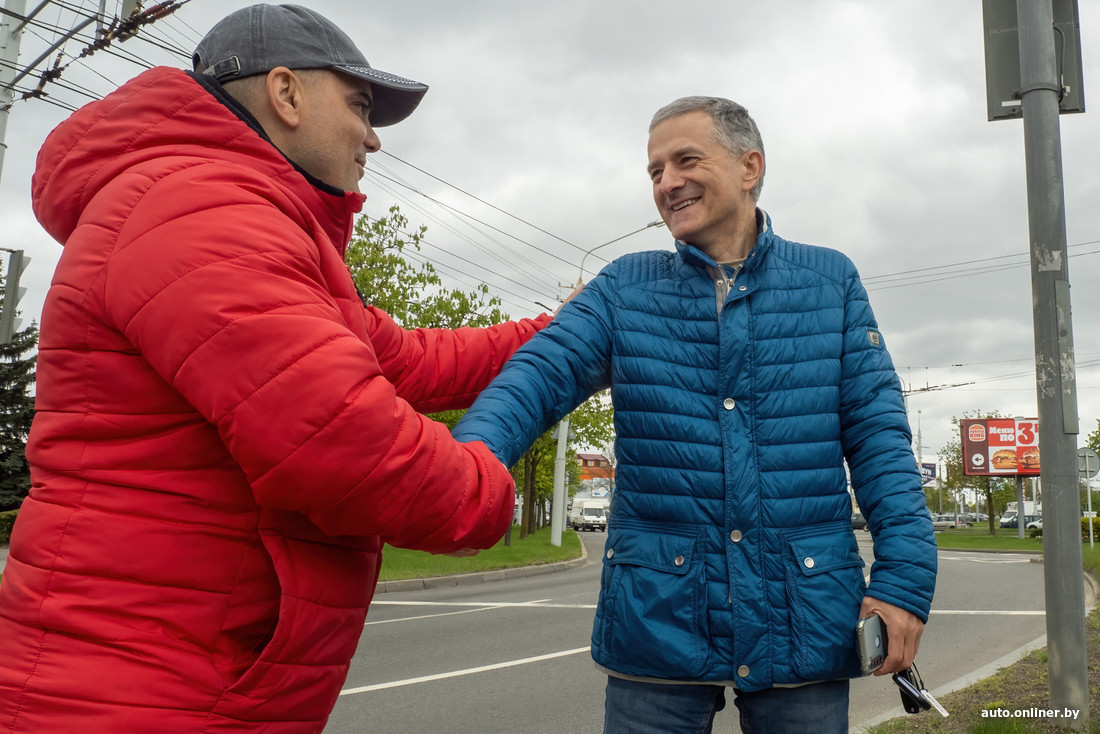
(734, 129)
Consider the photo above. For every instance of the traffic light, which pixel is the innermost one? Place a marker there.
(17, 263)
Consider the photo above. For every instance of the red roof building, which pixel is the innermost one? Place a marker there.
(595, 466)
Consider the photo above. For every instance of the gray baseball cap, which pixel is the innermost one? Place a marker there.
(259, 38)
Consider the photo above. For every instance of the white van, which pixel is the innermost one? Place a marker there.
(589, 515)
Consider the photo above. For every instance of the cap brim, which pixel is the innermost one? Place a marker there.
(394, 97)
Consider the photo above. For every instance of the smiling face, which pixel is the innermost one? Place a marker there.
(702, 190)
(335, 134)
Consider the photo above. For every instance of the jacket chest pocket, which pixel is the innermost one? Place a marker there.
(653, 620)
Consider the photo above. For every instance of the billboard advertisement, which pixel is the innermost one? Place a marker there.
(1000, 447)
(927, 474)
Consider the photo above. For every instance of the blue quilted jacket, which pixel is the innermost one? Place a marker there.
(730, 554)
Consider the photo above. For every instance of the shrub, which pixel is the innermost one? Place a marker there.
(7, 520)
(1085, 527)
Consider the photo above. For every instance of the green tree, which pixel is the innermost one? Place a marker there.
(1093, 440)
(16, 411)
(378, 259)
(415, 297)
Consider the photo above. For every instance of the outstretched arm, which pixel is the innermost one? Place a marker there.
(547, 378)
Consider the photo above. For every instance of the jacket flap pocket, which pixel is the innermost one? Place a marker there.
(650, 548)
(823, 553)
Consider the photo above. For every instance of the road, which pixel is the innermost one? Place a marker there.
(512, 656)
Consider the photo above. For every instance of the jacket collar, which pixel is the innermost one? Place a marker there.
(764, 237)
(341, 206)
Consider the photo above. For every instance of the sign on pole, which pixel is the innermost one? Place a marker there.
(1088, 463)
(999, 447)
(1002, 58)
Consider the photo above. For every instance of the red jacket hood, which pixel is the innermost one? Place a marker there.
(161, 115)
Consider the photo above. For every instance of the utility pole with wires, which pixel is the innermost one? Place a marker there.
(14, 21)
(1033, 70)
(11, 25)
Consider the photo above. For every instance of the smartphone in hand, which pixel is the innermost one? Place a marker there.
(871, 643)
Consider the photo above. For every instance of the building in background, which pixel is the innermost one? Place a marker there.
(597, 474)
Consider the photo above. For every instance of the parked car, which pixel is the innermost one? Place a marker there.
(939, 522)
(945, 519)
(859, 522)
(1012, 522)
(1035, 524)
(977, 517)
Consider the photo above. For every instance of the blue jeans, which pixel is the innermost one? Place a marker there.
(632, 707)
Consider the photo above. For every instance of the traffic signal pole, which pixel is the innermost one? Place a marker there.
(1040, 92)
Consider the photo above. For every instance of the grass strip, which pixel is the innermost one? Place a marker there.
(536, 549)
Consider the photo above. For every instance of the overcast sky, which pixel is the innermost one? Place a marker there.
(873, 116)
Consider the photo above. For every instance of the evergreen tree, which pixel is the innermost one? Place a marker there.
(16, 411)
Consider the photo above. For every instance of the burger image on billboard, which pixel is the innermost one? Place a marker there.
(1004, 459)
(1029, 458)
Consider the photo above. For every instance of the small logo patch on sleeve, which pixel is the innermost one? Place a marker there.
(874, 337)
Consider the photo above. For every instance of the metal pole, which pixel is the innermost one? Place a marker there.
(1088, 493)
(1040, 88)
(11, 30)
(556, 522)
(1020, 505)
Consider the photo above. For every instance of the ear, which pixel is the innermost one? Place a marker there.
(753, 162)
(285, 94)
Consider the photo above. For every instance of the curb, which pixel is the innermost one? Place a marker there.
(466, 579)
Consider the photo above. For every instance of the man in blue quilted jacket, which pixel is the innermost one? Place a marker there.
(745, 371)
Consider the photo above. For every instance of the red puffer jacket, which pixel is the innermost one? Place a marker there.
(225, 436)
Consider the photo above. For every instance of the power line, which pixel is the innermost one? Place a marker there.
(939, 273)
(535, 274)
(475, 219)
(482, 201)
(459, 257)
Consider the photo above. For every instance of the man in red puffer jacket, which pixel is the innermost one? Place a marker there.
(225, 434)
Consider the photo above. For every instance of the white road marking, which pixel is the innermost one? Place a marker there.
(380, 603)
(429, 616)
(457, 673)
(475, 607)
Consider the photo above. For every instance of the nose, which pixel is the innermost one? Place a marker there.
(371, 142)
(671, 180)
